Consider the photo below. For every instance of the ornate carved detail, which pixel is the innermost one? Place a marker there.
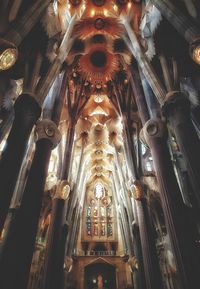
(99, 23)
(142, 137)
(47, 129)
(133, 264)
(62, 190)
(154, 128)
(68, 263)
(137, 190)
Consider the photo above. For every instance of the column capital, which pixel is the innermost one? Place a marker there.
(47, 129)
(176, 101)
(153, 129)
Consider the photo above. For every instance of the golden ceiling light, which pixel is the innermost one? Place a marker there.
(99, 6)
(88, 27)
(99, 65)
(8, 58)
(98, 111)
(99, 162)
(100, 133)
(196, 55)
(99, 98)
(73, 6)
(83, 125)
(195, 51)
(8, 54)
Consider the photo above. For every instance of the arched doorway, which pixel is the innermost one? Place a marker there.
(105, 270)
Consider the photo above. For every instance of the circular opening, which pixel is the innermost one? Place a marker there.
(122, 2)
(98, 59)
(99, 2)
(98, 38)
(99, 23)
(75, 2)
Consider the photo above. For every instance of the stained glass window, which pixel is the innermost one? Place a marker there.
(99, 214)
(99, 191)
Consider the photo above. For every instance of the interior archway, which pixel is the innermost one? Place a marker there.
(94, 271)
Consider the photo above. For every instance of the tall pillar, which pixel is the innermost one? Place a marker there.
(150, 259)
(138, 274)
(139, 96)
(27, 111)
(54, 256)
(181, 230)
(177, 111)
(6, 124)
(18, 246)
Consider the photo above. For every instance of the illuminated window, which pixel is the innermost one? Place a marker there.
(99, 191)
(99, 214)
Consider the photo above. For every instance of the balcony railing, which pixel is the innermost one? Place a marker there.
(99, 253)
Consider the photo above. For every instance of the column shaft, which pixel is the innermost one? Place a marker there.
(177, 111)
(151, 267)
(18, 247)
(56, 237)
(180, 227)
(27, 111)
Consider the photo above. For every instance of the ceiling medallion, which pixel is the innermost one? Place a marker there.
(98, 143)
(99, 65)
(98, 168)
(109, 26)
(99, 175)
(98, 152)
(98, 98)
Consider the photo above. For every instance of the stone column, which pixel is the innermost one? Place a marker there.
(54, 256)
(6, 124)
(177, 111)
(73, 229)
(139, 96)
(18, 246)
(27, 111)
(181, 229)
(150, 259)
(137, 259)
